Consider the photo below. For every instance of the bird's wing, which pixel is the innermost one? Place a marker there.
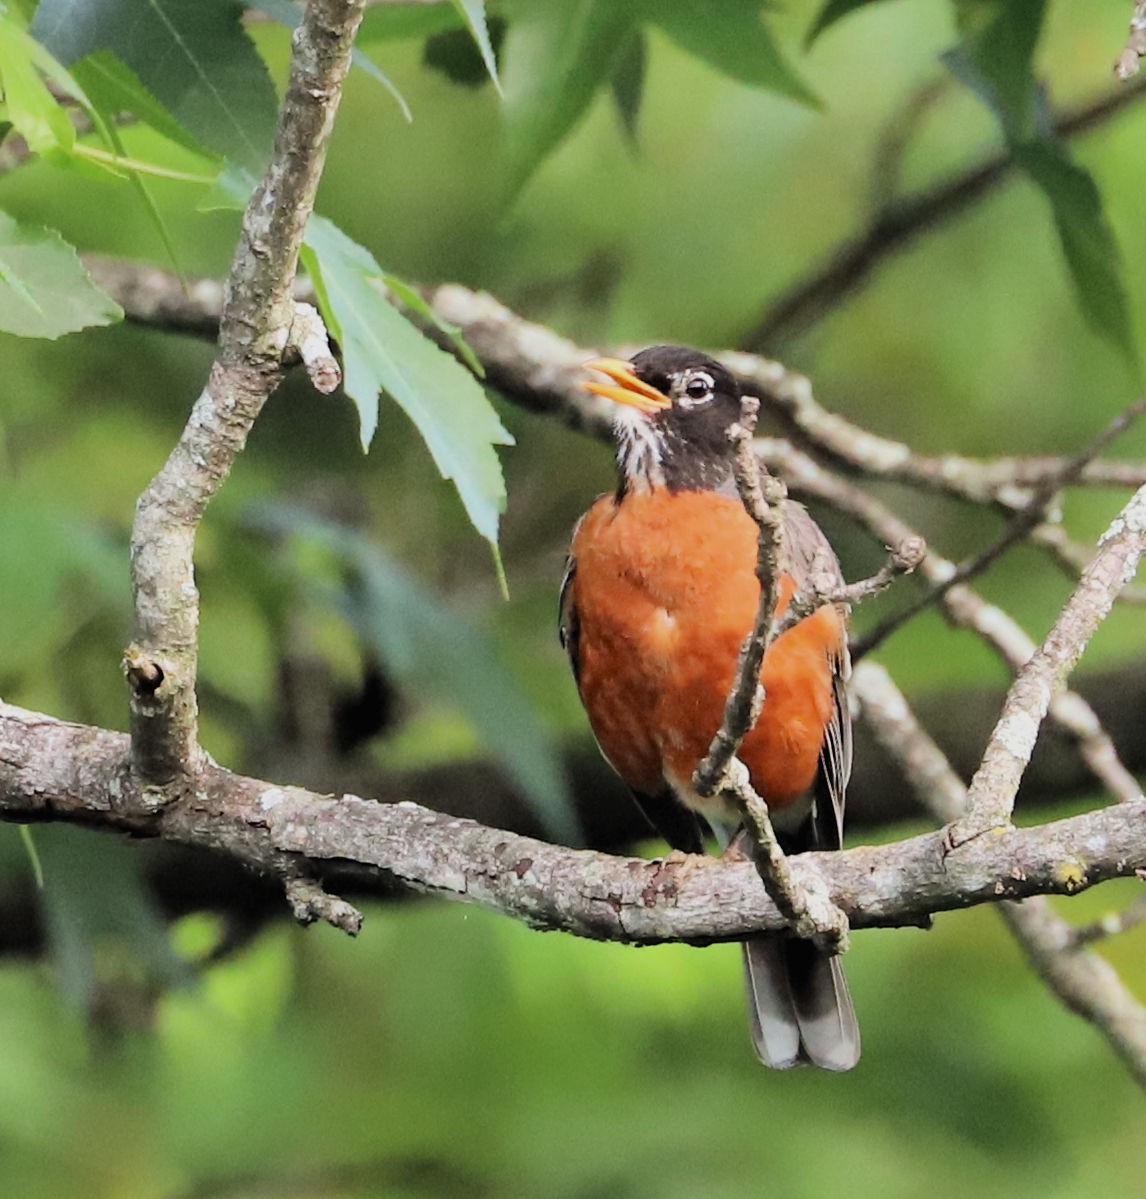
(810, 555)
(568, 624)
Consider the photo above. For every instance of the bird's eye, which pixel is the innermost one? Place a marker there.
(699, 386)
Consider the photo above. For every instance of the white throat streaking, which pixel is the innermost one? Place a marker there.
(639, 449)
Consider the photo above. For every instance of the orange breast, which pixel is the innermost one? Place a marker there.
(665, 591)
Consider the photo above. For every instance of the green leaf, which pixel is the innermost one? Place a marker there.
(383, 351)
(57, 573)
(628, 82)
(431, 650)
(558, 53)
(400, 22)
(412, 299)
(995, 60)
(833, 11)
(288, 13)
(44, 289)
(995, 56)
(1088, 242)
(113, 87)
(31, 107)
(96, 900)
(733, 39)
(29, 843)
(193, 55)
(473, 12)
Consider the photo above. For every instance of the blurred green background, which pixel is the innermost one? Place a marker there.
(446, 1052)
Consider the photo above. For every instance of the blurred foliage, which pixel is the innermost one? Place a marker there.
(446, 1052)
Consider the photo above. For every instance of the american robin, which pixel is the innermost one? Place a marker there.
(659, 592)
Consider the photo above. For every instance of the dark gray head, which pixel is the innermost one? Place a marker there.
(678, 406)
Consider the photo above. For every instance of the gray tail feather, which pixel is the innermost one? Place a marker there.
(799, 1007)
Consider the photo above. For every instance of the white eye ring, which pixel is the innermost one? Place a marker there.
(698, 388)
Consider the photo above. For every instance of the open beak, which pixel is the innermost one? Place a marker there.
(626, 388)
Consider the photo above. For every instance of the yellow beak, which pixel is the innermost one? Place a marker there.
(626, 388)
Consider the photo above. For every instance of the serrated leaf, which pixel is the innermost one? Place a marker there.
(628, 82)
(473, 13)
(1088, 242)
(44, 289)
(411, 298)
(431, 650)
(31, 108)
(113, 87)
(288, 13)
(833, 11)
(735, 40)
(383, 351)
(558, 53)
(193, 55)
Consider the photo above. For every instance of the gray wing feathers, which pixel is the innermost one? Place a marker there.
(810, 556)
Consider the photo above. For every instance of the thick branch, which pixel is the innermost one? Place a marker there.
(255, 326)
(51, 770)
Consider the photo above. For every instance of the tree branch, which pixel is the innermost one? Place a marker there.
(1026, 517)
(255, 326)
(1082, 980)
(991, 795)
(895, 226)
(806, 908)
(542, 372)
(52, 770)
(962, 606)
(1128, 62)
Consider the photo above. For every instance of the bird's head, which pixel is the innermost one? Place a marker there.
(677, 407)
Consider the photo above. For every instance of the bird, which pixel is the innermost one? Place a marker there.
(659, 591)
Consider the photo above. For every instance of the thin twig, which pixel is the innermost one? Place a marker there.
(1113, 924)
(1082, 980)
(893, 229)
(963, 607)
(807, 908)
(742, 707)
(901, 560)
(992, 791)
(256, 319)
(1127, 64)
(1031, 513)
